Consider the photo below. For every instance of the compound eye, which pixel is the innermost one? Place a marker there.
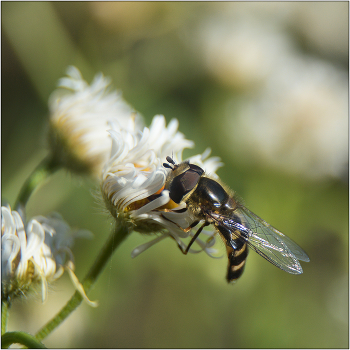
(185, 182)
(196, 169)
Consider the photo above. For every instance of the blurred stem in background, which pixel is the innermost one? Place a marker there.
(47, 167)
(59, 48)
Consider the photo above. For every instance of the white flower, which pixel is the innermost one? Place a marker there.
(134, 177)
(291, 110)
(298, 122)
(79, 120)
(36, 253)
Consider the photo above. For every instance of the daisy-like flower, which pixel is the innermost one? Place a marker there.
(134, 177)
(35, 253)
(79, 119)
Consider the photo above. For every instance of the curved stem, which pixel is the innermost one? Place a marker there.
(25, 339)
(40, 173)
(114, 240)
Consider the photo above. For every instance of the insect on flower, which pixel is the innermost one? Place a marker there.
(210, 203)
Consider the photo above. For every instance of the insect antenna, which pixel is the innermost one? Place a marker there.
(166, 165)
(171, 161)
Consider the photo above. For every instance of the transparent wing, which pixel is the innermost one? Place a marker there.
(267, 241)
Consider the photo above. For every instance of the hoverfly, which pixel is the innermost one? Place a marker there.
(208, 201)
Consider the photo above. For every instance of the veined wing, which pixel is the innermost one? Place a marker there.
(267, 241)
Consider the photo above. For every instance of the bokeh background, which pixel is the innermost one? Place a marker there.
(265, 85)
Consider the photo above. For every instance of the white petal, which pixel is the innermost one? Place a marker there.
(158, 202)
(140, 249)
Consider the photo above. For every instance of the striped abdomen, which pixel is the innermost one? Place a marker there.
(236, 261)
(237, 252)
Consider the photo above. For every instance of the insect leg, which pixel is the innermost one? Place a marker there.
(195, 223)
(195, 237)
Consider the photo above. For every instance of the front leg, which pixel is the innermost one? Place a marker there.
(193, 238)
(195, 223)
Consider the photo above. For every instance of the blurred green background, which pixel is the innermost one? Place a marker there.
(265, 85)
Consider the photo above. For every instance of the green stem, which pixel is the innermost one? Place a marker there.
(40, 173)
(114, 240)
(5, 305)
(25, 339)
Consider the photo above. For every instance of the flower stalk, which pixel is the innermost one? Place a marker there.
(47, 167)
(22, 338)
(92, 131)
(113, 242)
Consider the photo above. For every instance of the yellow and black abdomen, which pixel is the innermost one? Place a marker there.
(211, 202)
(237, 252)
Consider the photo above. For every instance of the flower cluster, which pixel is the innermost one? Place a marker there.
(128, 158)
(94, 131)
(35, 253)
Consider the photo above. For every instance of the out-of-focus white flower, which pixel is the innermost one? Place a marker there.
(298, 122)
(288, 109)
(323, 26)
(241, 50)
(79, 119)
(134, 177)
(35, 253)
